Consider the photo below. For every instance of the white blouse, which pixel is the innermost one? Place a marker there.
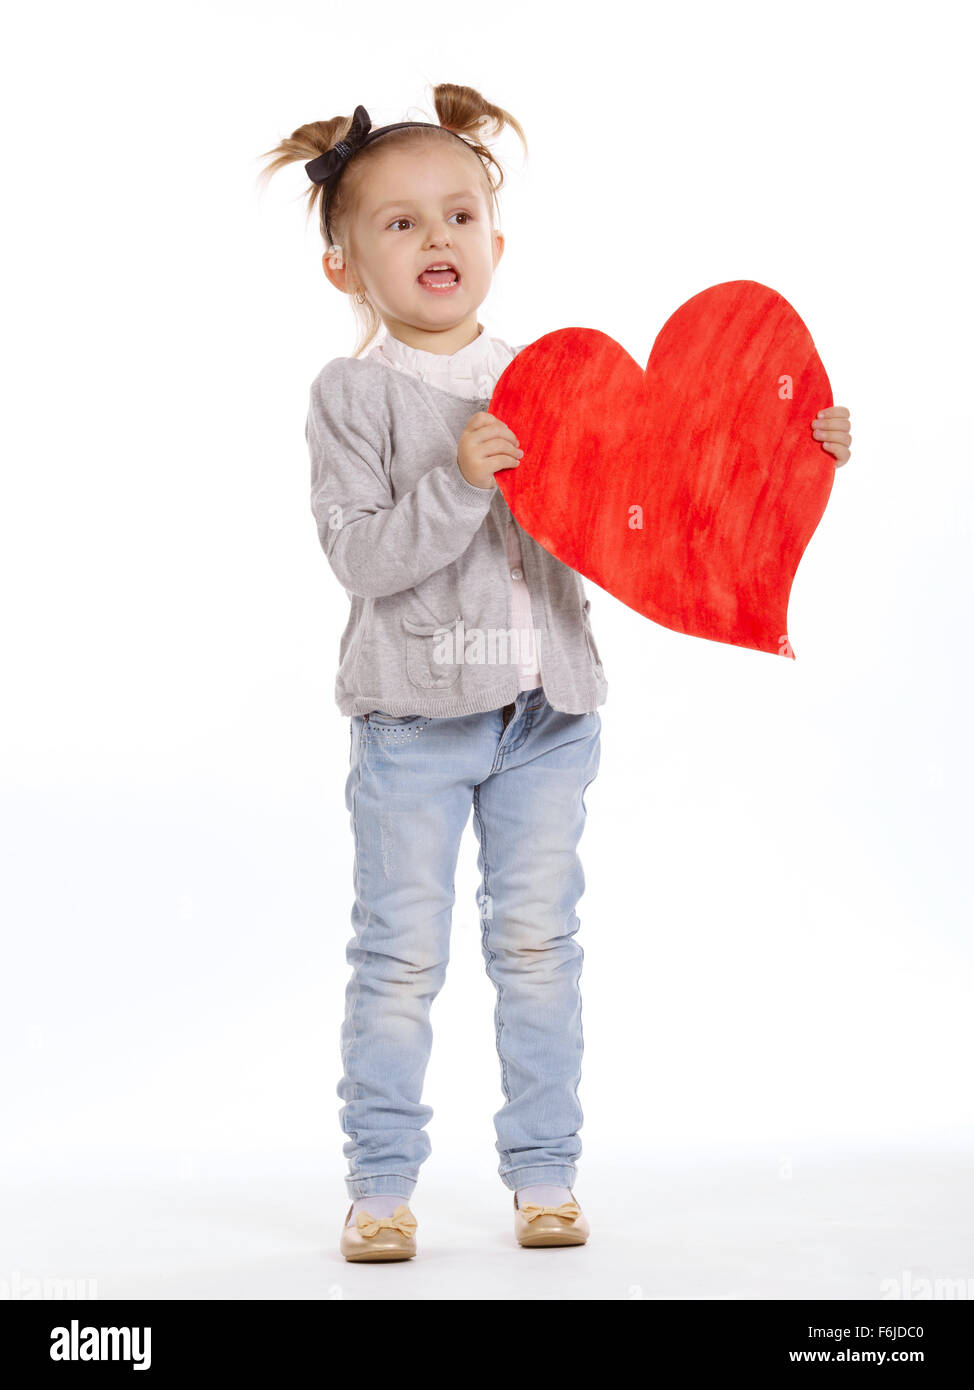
(472, 373)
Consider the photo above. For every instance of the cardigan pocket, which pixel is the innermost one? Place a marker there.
(590, 639)
(433, 658)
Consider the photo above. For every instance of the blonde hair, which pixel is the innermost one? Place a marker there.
(459, 109)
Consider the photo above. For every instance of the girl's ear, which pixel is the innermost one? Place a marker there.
(340, 275)
(336, 271)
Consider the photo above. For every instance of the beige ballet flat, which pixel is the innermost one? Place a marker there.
(379, 1237)
(564, 1225)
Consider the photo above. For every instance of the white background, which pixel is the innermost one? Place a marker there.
(776, 921)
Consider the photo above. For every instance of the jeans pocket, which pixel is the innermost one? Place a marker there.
(380, 720)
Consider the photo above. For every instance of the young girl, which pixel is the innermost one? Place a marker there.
(467, 667)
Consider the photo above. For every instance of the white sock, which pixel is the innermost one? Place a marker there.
(544, 1196)
(379, 1204)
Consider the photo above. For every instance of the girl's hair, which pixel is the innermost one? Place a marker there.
(460, 109)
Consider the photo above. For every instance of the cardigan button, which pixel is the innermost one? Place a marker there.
(517, 574)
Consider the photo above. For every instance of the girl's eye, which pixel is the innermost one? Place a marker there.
(407, 219)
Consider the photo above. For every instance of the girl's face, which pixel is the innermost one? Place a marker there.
(415, 209)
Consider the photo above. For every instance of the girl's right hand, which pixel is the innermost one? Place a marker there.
(485, 447)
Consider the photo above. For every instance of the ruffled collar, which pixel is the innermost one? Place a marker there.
(471, 372)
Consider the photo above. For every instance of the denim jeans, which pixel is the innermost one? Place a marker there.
(412, 781)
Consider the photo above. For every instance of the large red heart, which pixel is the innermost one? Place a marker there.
(689, 491)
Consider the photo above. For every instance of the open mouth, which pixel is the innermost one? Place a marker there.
(439, 276)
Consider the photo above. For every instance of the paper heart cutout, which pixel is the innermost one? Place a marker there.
(702, 448)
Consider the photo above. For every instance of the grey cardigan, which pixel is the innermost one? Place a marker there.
(422, 555)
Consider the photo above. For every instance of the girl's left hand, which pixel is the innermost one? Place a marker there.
(832, 427)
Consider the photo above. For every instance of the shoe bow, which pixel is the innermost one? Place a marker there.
(401, 1219)
(531, 1211)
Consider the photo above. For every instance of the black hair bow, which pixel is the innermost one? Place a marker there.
(326, 165)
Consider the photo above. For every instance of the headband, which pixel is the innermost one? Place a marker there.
(327, 168)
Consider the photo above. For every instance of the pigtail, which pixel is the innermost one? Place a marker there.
(464, 111)
(305, 144)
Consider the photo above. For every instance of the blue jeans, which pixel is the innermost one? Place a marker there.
(411, 783)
